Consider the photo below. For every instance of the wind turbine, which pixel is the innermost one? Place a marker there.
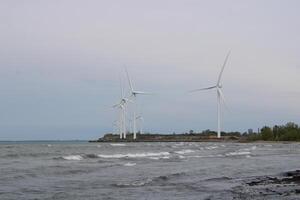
(122, 115)
(122, 125)
(116, 127)
(220, 95)
(141, 119)
(134, 94)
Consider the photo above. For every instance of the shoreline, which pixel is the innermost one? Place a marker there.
(110, 138)
(170, 141)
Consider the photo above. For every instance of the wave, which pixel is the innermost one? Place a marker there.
(240, 153)
(248, 149)
(129, 164)
(211, 147)
(160, 180)
(73, 157)
(138, 183)
(21, 155)
(253, 148)
(117, 145)
(91, 156)
(185, 151)
(12, 155)
(207, 156)
(222, 178)
(132, 155)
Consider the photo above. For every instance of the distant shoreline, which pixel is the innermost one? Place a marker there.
(115, 138)
(176, 141)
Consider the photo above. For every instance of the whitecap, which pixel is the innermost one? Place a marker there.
(184, 151)
(253, 148)
(206, 156)
(132, 155)
(240, 153)
(248, 149)
(129, 164)
(73, 157)
(117, 145)
(179, 144)
(211, 147)
(154, 158)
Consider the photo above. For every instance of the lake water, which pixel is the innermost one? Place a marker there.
(81, 170)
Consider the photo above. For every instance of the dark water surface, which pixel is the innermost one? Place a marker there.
(145, 170)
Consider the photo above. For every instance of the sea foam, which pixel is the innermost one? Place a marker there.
(241, 153)
(134, 155)
(184, 151)
(117, 145)
(129, 164)
(73, 157)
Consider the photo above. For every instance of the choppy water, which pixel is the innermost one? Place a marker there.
(141, 170)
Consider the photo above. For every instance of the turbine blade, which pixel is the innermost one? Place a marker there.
(207, 88)
(144, 93)
(223, 99)
(116, 105)
(128, 78)
(224, 64)
(121, 87)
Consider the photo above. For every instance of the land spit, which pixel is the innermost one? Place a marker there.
(168, 138)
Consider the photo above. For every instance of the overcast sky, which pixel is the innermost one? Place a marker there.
(60, 63)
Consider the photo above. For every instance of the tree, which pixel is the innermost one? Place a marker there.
(267, 133)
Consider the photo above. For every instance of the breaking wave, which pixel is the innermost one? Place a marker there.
(185, 151)
(211, 147)
(160, 180)
(117, 145)
(240, 153)
(134, 155)
(129, 164)
(73, 157)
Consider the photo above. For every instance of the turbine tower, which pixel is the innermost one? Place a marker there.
(133, 94)
(122, 118)
(220, 95)
(141, 120)
(122, 114)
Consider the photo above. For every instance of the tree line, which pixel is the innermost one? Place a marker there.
(287, 132)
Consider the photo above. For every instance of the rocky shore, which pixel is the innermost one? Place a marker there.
(282, 186)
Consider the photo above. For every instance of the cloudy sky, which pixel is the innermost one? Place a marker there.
(60, 63)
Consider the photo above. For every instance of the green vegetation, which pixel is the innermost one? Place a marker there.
(288, 132)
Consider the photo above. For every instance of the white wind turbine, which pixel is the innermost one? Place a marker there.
(141, 119)
(220, 95)
(116, 127)
(134, 94)
(122, 115)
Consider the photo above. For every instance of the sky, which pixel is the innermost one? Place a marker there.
(60, 63)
